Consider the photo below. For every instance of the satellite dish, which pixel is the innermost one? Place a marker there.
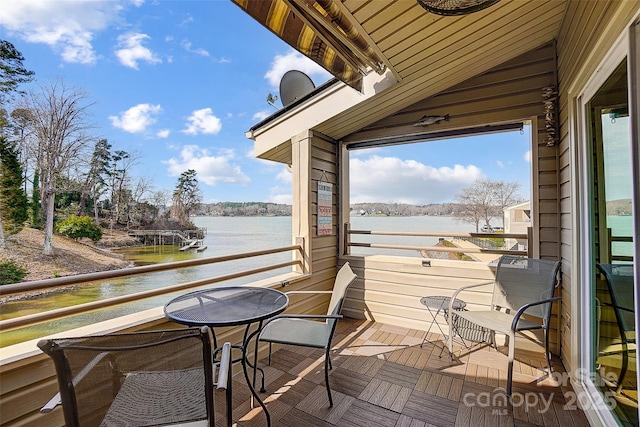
(294, 85)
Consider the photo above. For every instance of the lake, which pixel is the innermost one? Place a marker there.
(225, 236)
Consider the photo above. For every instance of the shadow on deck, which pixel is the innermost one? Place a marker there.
(382, 377)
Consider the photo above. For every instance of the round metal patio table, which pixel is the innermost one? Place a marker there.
(230, 306)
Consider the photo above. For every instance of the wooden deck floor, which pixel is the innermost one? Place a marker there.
(381, 376)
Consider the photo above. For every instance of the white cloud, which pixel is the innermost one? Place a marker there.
(163, 133)
(293, 60)
(131, 51)
(261, 115)
(285, 176)
(282, 198)
(68, 27)
(527, 156)
(137, 3)
(212, 169)
(203, 121)
(186, 45)
(390, 179)
(137, 118)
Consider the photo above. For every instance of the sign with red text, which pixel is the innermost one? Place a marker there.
(325, 211)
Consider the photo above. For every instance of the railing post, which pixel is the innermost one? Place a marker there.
(347, 239)
(300, 256)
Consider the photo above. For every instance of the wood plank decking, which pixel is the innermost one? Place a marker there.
(382, 377)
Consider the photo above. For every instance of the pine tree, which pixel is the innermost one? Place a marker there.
(13, 200)
(36, 202)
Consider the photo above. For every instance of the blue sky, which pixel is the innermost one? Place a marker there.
(177, 83)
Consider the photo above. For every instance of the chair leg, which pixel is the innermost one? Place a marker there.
(327, 363)
(547, 352)
(270, 354)
(450, 337)
(623, 369)
(512, 340)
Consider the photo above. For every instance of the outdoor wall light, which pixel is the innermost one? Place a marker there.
(455, 7)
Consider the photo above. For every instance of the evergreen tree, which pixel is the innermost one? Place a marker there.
(186, 196)
(36, 203)
(13, 200)
(12, 72)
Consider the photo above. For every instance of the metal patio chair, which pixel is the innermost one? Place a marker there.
(136, 379)
(619, 284)
(523, 286)
(311, 330)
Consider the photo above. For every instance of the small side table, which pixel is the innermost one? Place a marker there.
(438, 304)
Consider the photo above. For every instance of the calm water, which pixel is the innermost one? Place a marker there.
(225, 235)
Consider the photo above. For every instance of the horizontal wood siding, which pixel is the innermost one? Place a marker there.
(388, 290)
(429, 53)
(587, 33)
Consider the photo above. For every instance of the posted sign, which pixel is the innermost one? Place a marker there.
(325, 218)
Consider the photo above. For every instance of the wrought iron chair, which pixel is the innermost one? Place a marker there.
(137, 379)
(307, 330)
(619, 284)
(523, 286)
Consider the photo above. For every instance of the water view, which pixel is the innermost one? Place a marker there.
(225, 236)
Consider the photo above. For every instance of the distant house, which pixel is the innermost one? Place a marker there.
(517, 219)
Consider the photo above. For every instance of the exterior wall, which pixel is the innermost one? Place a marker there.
(587, 34)
(508, 93)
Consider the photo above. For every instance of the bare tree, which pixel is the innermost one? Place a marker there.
(478, 203)
(60, 119)
(505, 194)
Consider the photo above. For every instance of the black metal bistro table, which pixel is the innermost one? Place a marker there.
(230, 306)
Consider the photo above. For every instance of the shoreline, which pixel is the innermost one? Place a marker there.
(70, 257)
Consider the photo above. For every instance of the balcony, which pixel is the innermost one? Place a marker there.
(381, 376)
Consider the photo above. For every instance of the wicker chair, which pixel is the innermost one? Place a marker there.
(522, 286)
(136, 379)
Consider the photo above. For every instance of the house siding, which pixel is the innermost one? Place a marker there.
(507, 93)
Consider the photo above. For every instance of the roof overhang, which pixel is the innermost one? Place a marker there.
(272, 137)
(425, 54)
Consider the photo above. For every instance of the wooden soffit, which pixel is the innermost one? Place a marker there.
(323, 31)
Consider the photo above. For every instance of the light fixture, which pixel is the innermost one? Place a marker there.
(271, 99)
(455, 7)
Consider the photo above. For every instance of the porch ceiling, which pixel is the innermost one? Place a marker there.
(428, 53)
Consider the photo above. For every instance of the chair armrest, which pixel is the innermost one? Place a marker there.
(55, 400)
(51, 404)
(521, 310)
(464, 288)
(225, 367)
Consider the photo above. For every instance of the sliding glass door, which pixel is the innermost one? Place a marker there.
(607, 245)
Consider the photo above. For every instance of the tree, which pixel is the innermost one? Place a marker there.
(60, 120)
(96, 184)
(119, 183)
(186, 196)
(505, 194)
(12, 72)
(13, 200)
(78, 227)
(36, 202)
(485, 199)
